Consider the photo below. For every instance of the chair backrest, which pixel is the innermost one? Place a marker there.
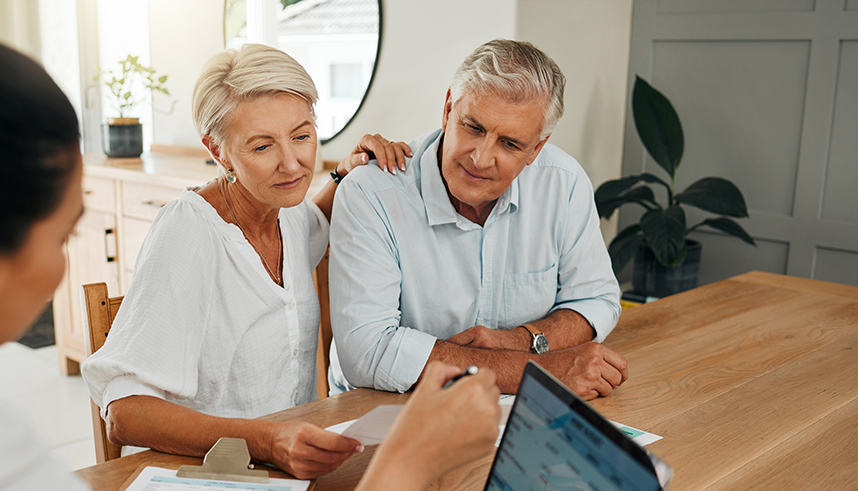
(98, 313)
(323, 355)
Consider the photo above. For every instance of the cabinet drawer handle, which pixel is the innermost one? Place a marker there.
(155, 204)
(110, 245)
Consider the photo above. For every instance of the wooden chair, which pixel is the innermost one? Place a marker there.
(323, 355)
(98, 313)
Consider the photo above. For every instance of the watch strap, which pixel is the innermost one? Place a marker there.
(336, 177)
(533, 330)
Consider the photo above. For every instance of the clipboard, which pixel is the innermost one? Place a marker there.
(228, 460)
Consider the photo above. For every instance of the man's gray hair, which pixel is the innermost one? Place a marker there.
(517, 71)
(234, 76)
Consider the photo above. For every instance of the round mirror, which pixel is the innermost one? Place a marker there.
(336, 41)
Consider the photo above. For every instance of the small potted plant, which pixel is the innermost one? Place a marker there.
(666, 261)
(129, 84)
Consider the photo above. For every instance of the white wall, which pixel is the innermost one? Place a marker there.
(183, 35)
(589, 40)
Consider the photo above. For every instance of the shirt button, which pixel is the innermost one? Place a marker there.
(291, 306)
(295, 353)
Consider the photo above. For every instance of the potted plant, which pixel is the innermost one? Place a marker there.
(666, 261)
(128, 85)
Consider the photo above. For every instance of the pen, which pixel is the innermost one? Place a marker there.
(471, 370)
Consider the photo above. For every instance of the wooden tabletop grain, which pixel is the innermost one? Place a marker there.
(752, 382)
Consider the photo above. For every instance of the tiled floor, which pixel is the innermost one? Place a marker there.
(55, 405)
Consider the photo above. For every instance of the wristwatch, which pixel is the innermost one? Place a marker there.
(540, 344)
(336, 176)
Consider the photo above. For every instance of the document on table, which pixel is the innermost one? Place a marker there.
(640, 437)
(159, 479)
(373, 426)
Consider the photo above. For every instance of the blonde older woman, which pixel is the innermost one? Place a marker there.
(40, 194)
(219, 325)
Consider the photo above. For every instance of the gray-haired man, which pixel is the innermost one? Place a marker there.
(486, 251)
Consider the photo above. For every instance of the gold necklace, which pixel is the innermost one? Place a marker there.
(277, 278)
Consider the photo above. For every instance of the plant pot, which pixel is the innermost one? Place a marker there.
(122, 137)
(653, 279)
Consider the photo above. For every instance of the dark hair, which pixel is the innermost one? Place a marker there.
(39, 146)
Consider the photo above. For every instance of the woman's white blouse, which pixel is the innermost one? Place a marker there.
(203, 325)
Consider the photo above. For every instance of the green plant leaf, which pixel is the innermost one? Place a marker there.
(715, 195)
(640, 195)
(658, 126)
(613, 188)
(728, 226)
(664, 231)
(610, 190)
(162, 79)
(624, 246)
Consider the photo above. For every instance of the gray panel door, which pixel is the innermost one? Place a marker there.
(767, 92)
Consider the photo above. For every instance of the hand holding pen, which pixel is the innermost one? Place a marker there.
(471, 370)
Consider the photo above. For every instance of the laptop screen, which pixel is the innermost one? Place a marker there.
(554, 440)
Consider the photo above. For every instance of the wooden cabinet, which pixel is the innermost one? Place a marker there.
(122, 198)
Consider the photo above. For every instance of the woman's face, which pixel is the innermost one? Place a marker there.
(271, 146)
(29, 276)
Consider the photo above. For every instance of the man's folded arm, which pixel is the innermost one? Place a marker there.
(590, 369)
(373, 349)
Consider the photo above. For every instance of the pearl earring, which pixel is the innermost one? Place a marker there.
(230, 176)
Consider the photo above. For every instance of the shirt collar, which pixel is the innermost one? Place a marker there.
(439, 209)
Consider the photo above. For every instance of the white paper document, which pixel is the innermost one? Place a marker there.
(640, 437)
(159, 479)
(372, 427)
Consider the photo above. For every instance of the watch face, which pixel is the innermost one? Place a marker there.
(540, 344)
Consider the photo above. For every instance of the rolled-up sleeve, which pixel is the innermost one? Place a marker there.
(586, 282)
(154, 344)
(373, 349)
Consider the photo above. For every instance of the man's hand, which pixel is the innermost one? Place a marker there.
(516, 339)
(590, 370)
(307, 451)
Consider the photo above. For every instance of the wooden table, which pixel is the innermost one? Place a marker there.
(752, 382)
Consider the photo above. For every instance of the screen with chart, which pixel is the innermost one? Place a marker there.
(548, 446)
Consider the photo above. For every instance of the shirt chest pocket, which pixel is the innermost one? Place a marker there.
(528, 297)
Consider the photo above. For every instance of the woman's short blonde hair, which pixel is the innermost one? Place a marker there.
(232, 77)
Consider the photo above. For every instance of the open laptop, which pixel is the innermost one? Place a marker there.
(556, 441)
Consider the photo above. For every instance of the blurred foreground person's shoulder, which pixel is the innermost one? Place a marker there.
(25, 463)
(40, 195)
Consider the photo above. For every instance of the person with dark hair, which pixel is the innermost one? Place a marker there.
(41, 199)
(39, 138)
(40, 202)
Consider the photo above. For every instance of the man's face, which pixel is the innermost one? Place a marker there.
(488, 141)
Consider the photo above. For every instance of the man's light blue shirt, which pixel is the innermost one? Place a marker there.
(406, 269)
